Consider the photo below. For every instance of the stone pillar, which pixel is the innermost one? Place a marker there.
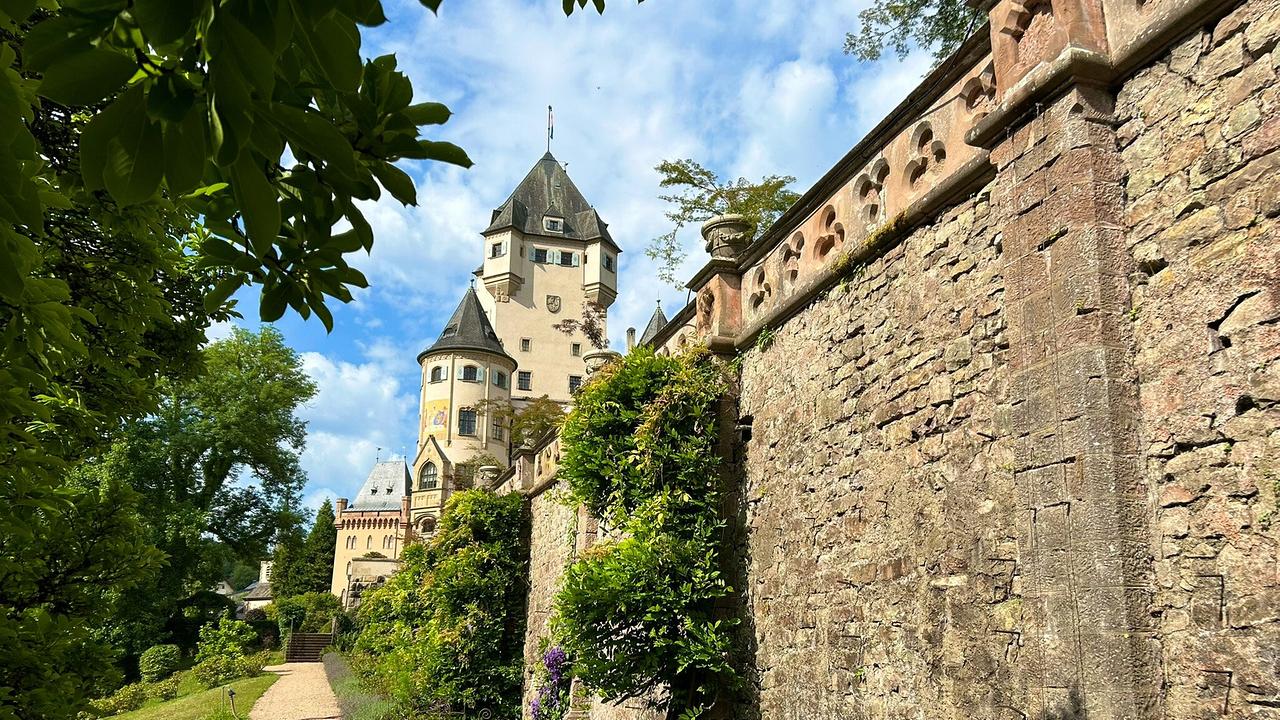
(718, 285)
(1084, 551)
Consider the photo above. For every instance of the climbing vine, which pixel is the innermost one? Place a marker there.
(638, 613)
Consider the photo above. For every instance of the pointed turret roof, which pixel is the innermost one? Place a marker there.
(548, 191)
(468, 329)
(387, 482)
(656, 322)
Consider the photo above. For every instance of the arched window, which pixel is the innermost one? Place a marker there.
(471, 373)
(368, 543)
(430, 479)
(427, 525)
(438, 374)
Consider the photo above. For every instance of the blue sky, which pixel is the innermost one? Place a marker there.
(747, 87)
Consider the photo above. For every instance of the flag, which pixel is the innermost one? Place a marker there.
(551, 124)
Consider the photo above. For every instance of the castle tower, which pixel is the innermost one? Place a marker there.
(465, 374)
(547, 256)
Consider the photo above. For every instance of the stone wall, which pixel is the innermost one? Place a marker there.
(1011, 373)
(879, 488)
(1200, 138)
(551, 548)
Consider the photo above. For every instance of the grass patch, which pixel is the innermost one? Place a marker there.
(198, 704)
(356, 701)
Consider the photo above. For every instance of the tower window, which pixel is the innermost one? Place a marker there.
(575, 382)
(500, 379)
(538, 255)
(430, 477)
(438, 374)
(471, 373)
(466, 421)
(497, 249)
(526, 344)
(568, 259)
(497, 430)
(553, 225)
(608, 262)
(524, 380)
(575, 349)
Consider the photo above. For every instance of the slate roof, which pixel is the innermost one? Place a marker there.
(547, 190)
(259, 591)
(468, 329)
(656, 322)
(386, 484)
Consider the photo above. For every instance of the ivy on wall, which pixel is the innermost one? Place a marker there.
(638, 613)
(446, 633)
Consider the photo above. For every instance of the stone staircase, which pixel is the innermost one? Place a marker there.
(307, 647)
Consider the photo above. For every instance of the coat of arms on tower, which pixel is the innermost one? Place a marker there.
(553, 303)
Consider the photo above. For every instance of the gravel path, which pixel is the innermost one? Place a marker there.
(301, 693)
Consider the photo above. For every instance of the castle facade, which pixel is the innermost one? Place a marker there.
(548, 257)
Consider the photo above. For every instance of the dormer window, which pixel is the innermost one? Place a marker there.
(553, 224)
(449, 331)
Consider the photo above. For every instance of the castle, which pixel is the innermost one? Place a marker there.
(548, 256)
(1006, 438)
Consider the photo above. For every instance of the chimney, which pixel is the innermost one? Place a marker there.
(631, 339)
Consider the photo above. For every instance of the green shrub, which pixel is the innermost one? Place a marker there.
(289, 613)
(159, 662)
(166, 689)
(254, 614)
(641, 616)
(309, 612)
(448, 628)
(227, 638)
(222, 669)
(129, 697)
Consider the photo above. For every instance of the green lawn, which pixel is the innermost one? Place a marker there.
(201, 704)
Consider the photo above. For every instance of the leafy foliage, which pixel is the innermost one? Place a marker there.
(129, 697)
(939, 25)
(159, 662)
(591, 325)
(528, 424)
(309, 612)
(638, 614)
(225, 638)
(702, 195)
(217, 465)
(447, 630)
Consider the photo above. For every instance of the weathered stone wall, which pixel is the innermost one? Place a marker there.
(1200, 132)
(552, 538)
(879, 488)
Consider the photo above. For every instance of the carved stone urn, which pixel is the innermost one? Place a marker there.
(726, 236)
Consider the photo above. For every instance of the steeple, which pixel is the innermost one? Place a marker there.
(547, 192)
(468, 329)
(657, 321)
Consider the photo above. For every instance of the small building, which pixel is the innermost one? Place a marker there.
(259, 594)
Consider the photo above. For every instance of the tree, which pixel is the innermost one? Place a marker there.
(288, 561)
(529, 423)
(937, 25)
(702, 196)
(318, 552)
(217, 466)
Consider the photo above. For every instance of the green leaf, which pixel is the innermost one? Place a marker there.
(220, 292)
(165, 21)
(134, 157)
(366, 12)
(428, 113)
(315, 134)
(432, 5)
(443, 152)
(170, 98)
(59, 37)
(334, 45)
(259, 203)
(185, 152)
(273, 303)
(17, 10)
(87, 77)
(396, 181)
